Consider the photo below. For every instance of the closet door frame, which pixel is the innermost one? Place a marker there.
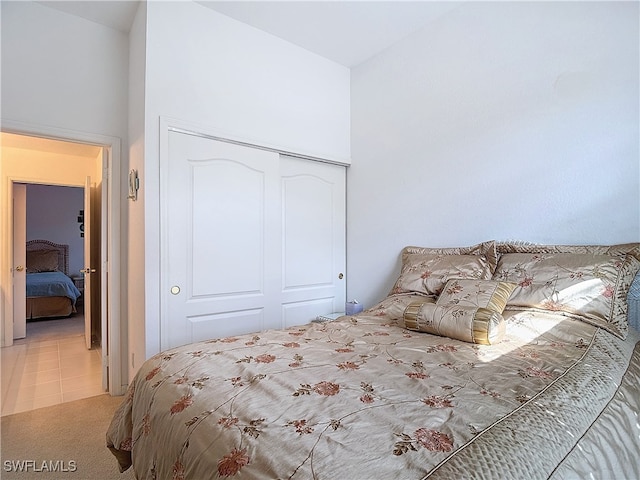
(168, 125)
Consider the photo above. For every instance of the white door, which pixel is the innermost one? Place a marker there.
(313, 239)
(19, 266)
(88, 271)
(222, 258)
(102, 199)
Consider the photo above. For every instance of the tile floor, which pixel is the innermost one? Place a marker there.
(51, 365)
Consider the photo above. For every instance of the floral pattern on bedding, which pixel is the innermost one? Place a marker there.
(359, 397)
(589, 286)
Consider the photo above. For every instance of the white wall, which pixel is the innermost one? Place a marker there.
(212, 71)
(502, 120)
(134, 297)
(61, 70)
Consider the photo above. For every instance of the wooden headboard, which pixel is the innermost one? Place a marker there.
(46, 245)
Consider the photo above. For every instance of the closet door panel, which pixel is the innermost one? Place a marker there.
(313, 239)
(227, 324)
(222, 240)
(307, 226)
(227, 236)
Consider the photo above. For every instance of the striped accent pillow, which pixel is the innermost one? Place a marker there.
(467, 310)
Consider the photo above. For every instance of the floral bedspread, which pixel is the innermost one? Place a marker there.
(363, 398)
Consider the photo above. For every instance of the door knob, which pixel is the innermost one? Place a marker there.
(19, 268)
(88, 270)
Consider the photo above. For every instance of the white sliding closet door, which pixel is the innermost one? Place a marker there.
(313, 239)
(252, 240)
(222, 240)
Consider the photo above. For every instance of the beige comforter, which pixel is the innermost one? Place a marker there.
(363, 398)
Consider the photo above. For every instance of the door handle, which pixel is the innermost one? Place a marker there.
(88, 270)
(19, 268)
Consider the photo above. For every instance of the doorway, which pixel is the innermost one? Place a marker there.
(55, 215)
(56, 160)
(48, 359)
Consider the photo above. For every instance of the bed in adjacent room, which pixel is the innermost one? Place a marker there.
(494, 361)
(50, 290)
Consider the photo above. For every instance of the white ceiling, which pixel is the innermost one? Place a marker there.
(114, 14)
(346, 32)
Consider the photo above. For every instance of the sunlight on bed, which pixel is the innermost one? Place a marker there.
(521, 333)
(582, 293)
(577, 296)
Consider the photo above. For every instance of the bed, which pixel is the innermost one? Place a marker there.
(500, 360)
(50, 291)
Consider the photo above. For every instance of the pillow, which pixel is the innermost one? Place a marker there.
(486, 249)
(42, 261)
(490, 294)
(589, 286)
(428, 273)
(473, 325)
(467, 310)
(524, 247)
(426, 270)
(633, 301)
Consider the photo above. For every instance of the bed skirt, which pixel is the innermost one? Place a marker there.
(46, 307)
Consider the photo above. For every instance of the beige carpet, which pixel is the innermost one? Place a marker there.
(69, 438)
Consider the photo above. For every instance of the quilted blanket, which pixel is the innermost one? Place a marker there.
(362, 397)
(51, 284)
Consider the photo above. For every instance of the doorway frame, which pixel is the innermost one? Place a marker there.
(111, 211)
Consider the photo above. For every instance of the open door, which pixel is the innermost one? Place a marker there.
(87, 271)
(18, 267)
(102, 195)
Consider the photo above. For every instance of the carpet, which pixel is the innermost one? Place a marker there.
(65, 441)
